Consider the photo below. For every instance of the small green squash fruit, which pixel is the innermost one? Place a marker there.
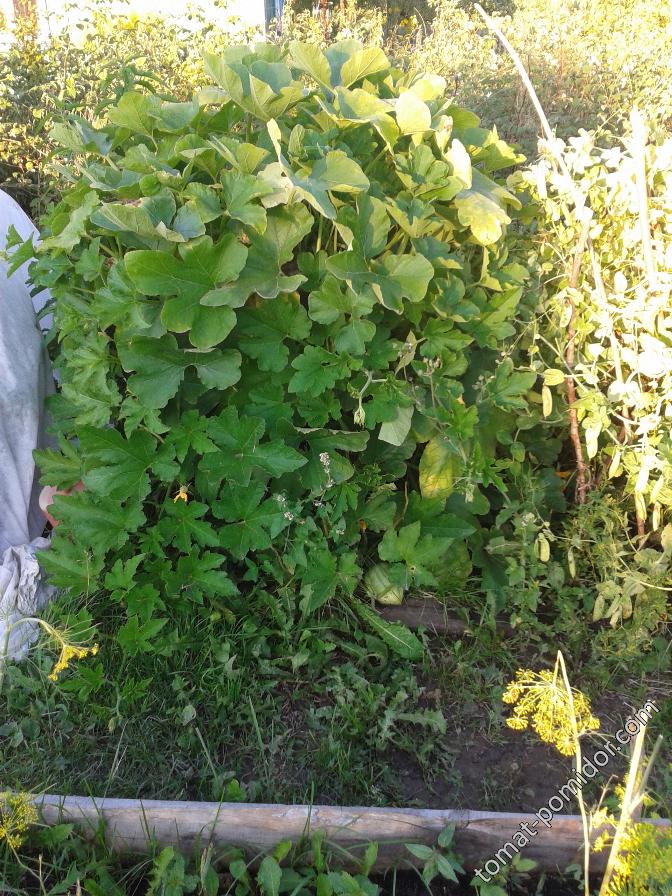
(380, 588)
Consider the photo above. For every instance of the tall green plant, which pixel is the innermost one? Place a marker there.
(604, 251)
(280, 307)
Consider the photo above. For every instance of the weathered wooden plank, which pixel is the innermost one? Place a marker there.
(426, 612)
(131, 824)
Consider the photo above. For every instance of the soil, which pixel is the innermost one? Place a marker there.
(507, 776)
(513, 772)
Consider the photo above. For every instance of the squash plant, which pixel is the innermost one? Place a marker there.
(279, 310)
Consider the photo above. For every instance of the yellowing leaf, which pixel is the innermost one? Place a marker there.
(459, 158)
(482, 215)
(362, 64)
(310, 59)
(543, 548)
(437, 470)
(429, 87)
(553, 377)
(615, 465)
(413, 116)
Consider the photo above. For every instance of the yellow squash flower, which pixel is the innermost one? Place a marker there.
(181, 495)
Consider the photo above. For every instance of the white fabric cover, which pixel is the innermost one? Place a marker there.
(25, 382)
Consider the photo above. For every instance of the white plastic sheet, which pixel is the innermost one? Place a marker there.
(25, 382)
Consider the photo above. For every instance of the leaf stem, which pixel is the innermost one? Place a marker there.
(639, 138)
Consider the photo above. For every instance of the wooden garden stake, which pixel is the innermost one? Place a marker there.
(582, 473)
(131, 827)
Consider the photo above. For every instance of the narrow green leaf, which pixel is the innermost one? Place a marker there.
(398, 638)
(424, 853)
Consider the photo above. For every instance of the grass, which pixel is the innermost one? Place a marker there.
(251, 719)
(232, 724)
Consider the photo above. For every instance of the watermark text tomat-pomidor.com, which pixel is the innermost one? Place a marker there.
(527, 830)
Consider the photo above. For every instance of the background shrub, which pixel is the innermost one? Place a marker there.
(81, 70)
(591, 62)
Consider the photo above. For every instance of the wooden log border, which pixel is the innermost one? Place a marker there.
(426, 612)
(131, 826)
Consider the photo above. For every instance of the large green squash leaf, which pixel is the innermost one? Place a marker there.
(158, 367)
(202, 267)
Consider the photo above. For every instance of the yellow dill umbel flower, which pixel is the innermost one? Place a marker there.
(69, 651)
(540, 699)
(17, 813)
